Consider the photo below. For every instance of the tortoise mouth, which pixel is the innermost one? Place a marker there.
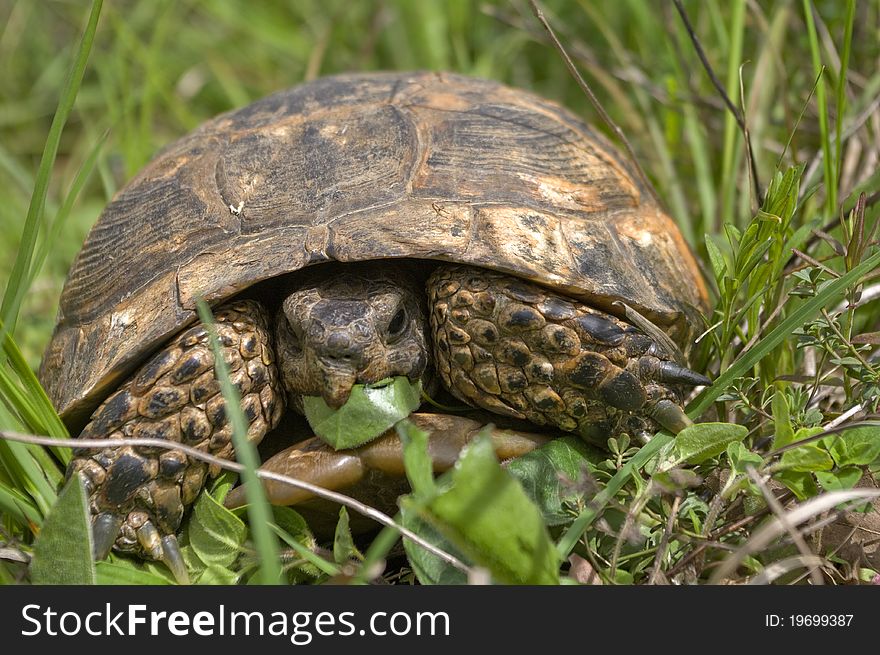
(337, 383)
(350, 324)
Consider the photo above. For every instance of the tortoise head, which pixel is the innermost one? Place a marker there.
(349, 324)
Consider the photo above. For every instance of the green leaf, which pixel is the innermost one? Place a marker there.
(488, 516)
(740, 457)
(216, 535)
(801, 484)
(839, 479)
(858, 446)
(218, 575)
(311, 565)
(698, 443)
(343, 543)
(369, 412)
(428, 567)
(63, 549)
(416, 460)
(806, 458)
(540, 473)
(292, 522)
(716, 259)
(783, 432)
(294, 531)
(124, 572)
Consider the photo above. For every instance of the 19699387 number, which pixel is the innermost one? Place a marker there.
(820, 620)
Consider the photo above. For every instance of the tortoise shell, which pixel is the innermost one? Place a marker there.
(358, 167)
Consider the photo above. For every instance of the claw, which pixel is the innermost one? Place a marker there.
(643, 437)
(150, 541)
(105, 529)
(173, 559)
(672, 372)
(164, 549)
(670, 416)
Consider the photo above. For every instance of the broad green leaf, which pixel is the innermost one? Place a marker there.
(783, 432)
(417, 460)
(802, 484)
(486, 514)
(194, 565)
(542, 473)
(806, 433)
(218, 575)
(716, 259)
(63, 549)
(740, 457)
(310, 564)
(807, 458)
(369, 412)
(123, 572)
(215, 534)
(343, 543)
(294, 531)
(703, 441)
(858, 446)
(291, 522)
(844, 478)
(429, 568)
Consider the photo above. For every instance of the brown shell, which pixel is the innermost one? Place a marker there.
(358, 167)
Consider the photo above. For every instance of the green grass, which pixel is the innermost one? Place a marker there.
(80, 115)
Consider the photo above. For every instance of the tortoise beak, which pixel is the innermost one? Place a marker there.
(336, 385)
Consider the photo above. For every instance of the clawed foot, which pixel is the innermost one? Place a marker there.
(108, 527)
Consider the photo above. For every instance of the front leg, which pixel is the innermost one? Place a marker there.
(520, 350)
(138, 495)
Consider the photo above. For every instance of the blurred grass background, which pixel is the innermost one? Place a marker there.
(158, 69)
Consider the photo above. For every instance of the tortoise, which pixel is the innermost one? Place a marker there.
(354, 228)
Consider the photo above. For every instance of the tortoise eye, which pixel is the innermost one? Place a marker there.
(287, 335)
(397, 325)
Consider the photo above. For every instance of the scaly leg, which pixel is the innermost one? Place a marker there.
(517, 349)
(138, 495)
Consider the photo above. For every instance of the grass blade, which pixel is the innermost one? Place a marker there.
(841, 89)
(21, 271)
(63, 549)
(259, 512)
(818, 68)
